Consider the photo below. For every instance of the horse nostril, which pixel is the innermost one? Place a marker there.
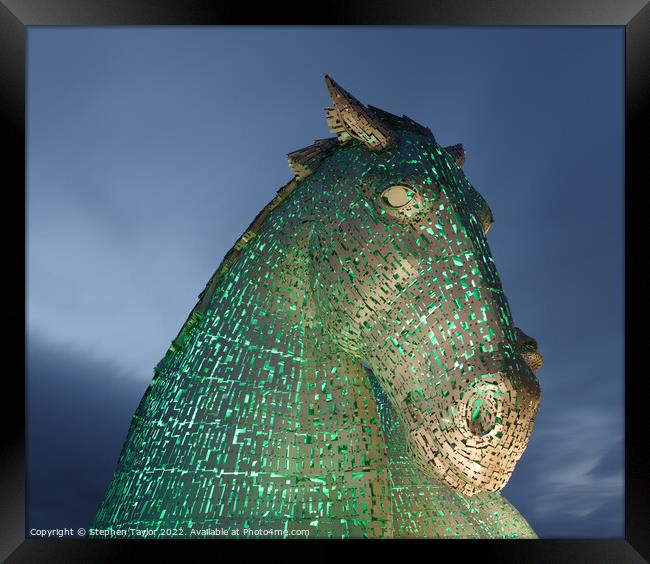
(481, 416)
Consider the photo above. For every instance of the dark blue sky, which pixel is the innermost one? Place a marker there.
(150, 150)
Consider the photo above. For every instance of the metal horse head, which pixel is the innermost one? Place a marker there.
(404, 280)
(261, 413)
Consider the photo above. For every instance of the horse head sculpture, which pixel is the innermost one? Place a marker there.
(352, 367)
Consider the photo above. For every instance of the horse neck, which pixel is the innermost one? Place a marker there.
(273, 348)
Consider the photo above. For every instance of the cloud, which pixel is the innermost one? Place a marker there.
(609, 465)
(78, 411)
(571, 479)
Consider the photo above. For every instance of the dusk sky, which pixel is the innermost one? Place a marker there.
(150, 150)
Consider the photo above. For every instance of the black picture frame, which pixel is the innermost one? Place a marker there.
(17, 15)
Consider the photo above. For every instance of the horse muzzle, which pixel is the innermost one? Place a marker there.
(476, 445)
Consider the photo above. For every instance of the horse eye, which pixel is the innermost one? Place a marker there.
(397, 196)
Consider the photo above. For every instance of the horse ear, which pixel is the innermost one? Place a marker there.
(457, 152)
(350, 119)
